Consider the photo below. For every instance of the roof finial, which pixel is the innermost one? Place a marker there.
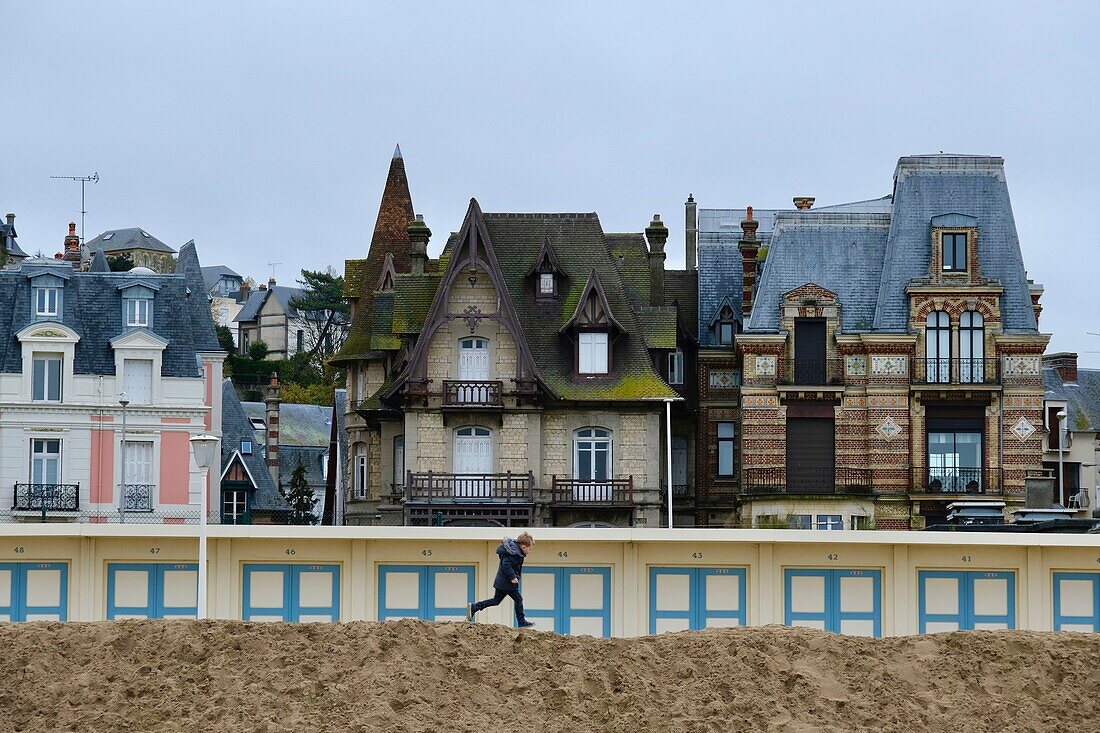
(397, 151)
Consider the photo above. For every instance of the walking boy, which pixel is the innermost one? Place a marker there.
(512, 553)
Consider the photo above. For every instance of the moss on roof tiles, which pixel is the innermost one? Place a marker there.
(581, 247)
(631, 258)
(658, 327)
(354, 272)
(382, 336)
(413, 296)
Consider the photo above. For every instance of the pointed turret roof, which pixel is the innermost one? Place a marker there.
(202, 322)
(390, 237)
(99, 262)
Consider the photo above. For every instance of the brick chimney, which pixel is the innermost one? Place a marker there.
(691, 233)
(419, 234)
(243, 293)
(271, 282)
(271, 415)
(656, 234)
(72, 245)
(11, 219)
(1065, 363)
(750, 250)
(803, 203)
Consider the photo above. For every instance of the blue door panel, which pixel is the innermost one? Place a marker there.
(833, 614)
(1061, 616)
(155, 607)
(426, 577)
(699, 612)
(17, 609)
(291, 609)
(565, 611)
(965, 617)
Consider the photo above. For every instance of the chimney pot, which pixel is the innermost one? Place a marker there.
(11, 219)
(271, 281)
(1064, 363)
(419, 234)
(72, 228)
(803, 203)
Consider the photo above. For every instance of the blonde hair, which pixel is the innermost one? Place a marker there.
(525, 539)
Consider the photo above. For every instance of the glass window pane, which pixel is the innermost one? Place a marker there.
(39, 379)
(799, 521)
(725, 458)
(725, 429)
(601, 470)
(584, 462)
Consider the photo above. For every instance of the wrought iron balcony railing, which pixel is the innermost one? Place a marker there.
(137, 497)
(465, 393)
(47, 498)
(469, 487)
(939, 480)
(956, 371)
(780, 480)
(584, 492)
(811, 372)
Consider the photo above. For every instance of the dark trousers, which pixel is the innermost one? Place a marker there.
(498, 596)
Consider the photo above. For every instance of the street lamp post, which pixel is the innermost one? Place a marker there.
(203, 446)
(122, 475)
(1061, 446)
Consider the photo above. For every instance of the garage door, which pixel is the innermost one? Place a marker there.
(34, 591)
(841, 601)
(291, 592)
(953, 600)
(571, 600)
(152, 590)
(1077, 601)
(425, 592)
(695, 598)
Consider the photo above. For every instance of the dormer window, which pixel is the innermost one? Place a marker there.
(546, 283)
(954, 251)
(46, 302)
(592, 355)
(138, 312)
(726, 327)
(676, 367)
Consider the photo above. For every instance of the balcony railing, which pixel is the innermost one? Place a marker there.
(582, 492)
(465, 393)
(138, 498)
(977, 481)
(778, 480)
(457, 488)
(956, 371)
(811, 372)
(47, 498)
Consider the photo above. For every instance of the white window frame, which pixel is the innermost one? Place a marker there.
(596, 440)
(47, 358)
(127, 375)
(139, 312)
(235, 505)
(546, 283)
(399, 460)
(45, 457)
(721, 440)
(361, 470)
(593, 349)
(829, 522)
(42, 305)
(246, 447)
(676, 367)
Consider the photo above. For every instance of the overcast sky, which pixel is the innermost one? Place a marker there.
(263, 131)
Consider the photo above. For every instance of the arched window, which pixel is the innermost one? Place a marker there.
(360, 471)
(972, 348)
(473, 359)
(592, 454)
(937, 347)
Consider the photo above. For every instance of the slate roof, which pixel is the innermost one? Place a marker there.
(121, 240)
(198, 302)
(582, 248)
(8, 237)
(720, 282)
(840, 252)
(682, 291)
(925, 186)
(235, 428)
(256, 299)
(211, 275)
(299, 425)
(1082, 398)
(868, 252)
(92, 306)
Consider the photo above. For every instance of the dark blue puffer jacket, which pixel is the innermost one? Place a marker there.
(511, 564)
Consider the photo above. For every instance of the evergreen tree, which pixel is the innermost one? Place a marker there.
(300, 497)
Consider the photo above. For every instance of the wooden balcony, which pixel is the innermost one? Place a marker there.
(469, 488)
(477, 395)
(580, 493)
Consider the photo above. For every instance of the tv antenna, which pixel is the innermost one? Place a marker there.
(94, 178)
(273, 265)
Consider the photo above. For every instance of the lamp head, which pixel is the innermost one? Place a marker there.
(202, 446)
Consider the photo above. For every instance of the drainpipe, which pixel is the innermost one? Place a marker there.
(668, 456)
(1061, 448)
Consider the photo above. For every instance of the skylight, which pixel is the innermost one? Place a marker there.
(108, 236)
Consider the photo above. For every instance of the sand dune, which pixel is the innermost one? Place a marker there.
(412, 676)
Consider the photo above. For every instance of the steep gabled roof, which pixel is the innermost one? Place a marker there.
(235, 429)
(198, 302)
(391, 237)
(592, 308)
